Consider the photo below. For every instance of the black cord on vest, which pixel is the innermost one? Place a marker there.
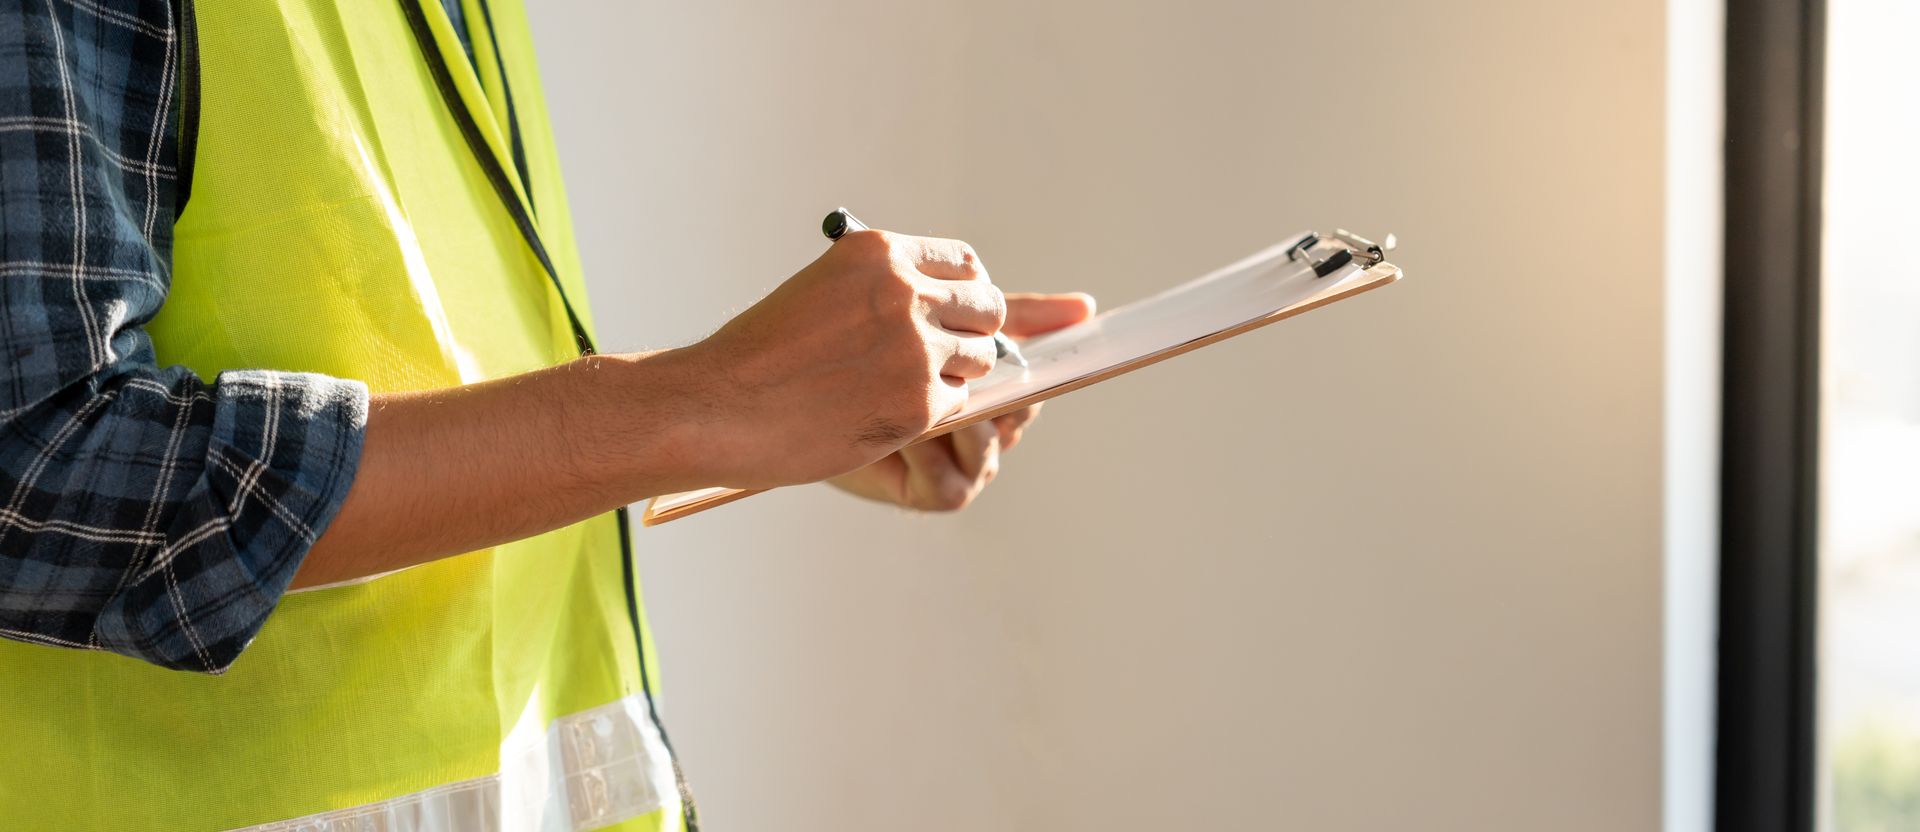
(513, 116)
(497, 176)
(188, 31)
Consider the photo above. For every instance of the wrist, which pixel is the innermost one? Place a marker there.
(649, 423)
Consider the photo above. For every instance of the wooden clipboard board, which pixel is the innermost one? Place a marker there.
(1323, 270)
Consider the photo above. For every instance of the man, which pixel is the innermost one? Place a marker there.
(289, 301)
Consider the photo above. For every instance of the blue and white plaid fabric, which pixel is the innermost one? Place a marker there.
(142, 510)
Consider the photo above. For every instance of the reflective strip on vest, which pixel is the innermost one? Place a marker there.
(586, 771)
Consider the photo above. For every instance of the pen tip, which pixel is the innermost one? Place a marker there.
(1005, 350)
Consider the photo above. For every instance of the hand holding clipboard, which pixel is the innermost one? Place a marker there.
(1305, 272)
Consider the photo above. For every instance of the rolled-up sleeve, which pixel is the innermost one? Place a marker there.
(143, 510)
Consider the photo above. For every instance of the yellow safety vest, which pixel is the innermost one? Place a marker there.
(365, 204)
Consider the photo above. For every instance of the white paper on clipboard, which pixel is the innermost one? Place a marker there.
(1300, 274)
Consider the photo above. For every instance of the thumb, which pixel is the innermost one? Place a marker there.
(1035, 314)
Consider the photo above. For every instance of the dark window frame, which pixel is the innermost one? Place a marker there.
(1765, 776)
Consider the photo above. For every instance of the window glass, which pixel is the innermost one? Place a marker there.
(1870, 419)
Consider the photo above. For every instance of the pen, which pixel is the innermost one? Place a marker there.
(842, 222)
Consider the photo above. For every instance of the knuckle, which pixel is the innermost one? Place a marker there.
(872, 243)
(900, 290)
(895, 296)
(969, 364)
(918, 356)
(933, 294)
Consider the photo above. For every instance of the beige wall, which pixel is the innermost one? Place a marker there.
(1393, 565)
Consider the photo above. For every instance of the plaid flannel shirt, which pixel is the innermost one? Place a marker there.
(143, 510)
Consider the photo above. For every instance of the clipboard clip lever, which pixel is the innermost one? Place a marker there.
(1322, 266)
(1348, 247)
(1370, 252)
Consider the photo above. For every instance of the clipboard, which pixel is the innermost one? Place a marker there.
(1304, 272)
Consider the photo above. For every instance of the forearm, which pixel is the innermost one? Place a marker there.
(845, 362)
(450, 471)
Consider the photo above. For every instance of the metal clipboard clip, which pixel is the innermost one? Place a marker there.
(1351, 246)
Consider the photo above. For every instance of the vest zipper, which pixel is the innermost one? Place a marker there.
(503, 187)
